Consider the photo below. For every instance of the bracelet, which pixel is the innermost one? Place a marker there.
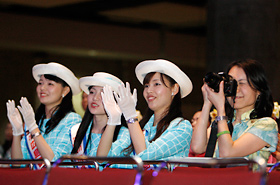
(223, 132)
(219, 118)
(132, 120)
(36, 134)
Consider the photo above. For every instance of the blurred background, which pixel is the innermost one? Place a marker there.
(114, 36)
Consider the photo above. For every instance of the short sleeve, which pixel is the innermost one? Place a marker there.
(267, 130)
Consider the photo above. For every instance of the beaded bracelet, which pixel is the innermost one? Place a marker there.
(223, 132)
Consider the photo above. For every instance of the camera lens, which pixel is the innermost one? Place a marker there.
(213, 80)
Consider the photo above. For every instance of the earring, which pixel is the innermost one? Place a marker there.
(62, 95)
(258, 98)
(172, 94)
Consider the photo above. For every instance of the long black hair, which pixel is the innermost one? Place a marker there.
(85, 124)
(257, 80)
(174, 110)
(59, 111)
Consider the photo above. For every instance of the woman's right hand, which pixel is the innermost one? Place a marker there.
(216, 98)
(14, 118)
(205, 95)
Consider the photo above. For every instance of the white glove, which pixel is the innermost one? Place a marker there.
(14, 118)
(112, 109)
(27, 114)
(127, 101)
(134, 96)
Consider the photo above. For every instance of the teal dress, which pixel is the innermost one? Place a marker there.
(58, 138)
(173, 143)
(95, 140)
(265, 128)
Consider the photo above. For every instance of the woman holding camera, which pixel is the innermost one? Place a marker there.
(249, 112)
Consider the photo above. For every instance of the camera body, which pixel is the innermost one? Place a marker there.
(213, 80)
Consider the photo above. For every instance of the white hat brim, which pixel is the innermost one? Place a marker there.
(100, 79)
(59, 71)
(168, 68)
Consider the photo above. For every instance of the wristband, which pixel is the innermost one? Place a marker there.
(132, 120)
(36, 134)
(223, 132)
(219, 118)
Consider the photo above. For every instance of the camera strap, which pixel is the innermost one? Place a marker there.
(212, 140)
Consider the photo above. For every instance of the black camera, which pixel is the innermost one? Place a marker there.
(213, 80)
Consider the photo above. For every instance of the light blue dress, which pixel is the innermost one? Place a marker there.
(58, 138)
(95, 139)
(265, 128)
(173, 143)
(93, 142)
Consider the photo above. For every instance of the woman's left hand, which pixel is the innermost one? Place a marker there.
(112, 109)
(127, 101)
(28, 114)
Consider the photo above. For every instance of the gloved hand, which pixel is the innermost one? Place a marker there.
(134, 96)
(127, 101)
(112, 109)
(14, 118)
(28, 114)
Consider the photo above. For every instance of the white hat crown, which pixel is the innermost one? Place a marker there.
(100, 79)
(168, 68)
(59, 71)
